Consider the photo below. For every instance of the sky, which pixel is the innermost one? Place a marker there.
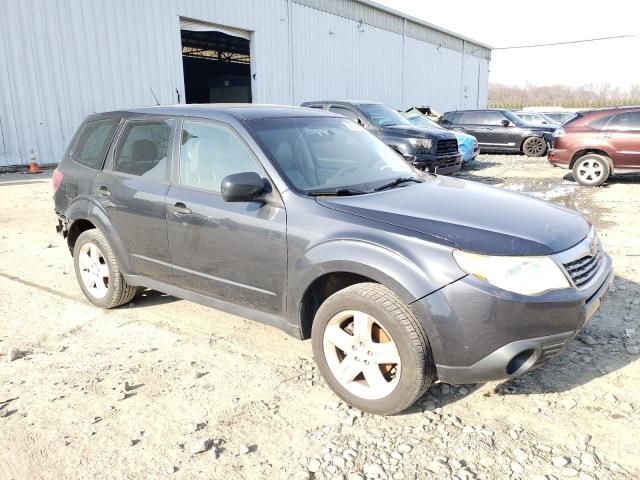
(501, 23)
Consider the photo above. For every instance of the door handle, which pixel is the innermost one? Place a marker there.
(104, 191)
(606, 135)
(180, 208)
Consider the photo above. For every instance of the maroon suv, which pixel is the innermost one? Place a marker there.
(599, 143)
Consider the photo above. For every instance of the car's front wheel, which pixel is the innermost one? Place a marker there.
(591, 170)
(371, 349)
(98, 272)
(534, 147)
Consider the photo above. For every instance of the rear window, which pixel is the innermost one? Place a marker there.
(93, 142)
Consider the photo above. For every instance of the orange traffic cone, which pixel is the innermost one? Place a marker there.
(33, 163)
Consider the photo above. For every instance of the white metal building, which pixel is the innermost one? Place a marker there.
(62, 60)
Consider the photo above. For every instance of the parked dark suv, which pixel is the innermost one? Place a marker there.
(427, 148)
(501, 131)
(599, 143)
(300, 219)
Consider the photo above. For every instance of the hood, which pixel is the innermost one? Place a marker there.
(471, 216)
(540, 128)
(415, 131)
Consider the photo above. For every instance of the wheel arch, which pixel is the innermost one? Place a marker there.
(335, 265)
(591, 150)
(93, 216)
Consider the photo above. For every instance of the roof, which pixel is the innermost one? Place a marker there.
(239, 111)
(422, 22)
(346, 102)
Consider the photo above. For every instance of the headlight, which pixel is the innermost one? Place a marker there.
(523, 275)
(422, 143)
(559, 132)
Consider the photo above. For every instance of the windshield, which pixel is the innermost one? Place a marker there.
(515, 119)
(382, 116)
(328, 154)
(423, 121)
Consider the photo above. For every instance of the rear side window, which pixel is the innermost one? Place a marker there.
(600, 123)
(625, 121)
(471, 118)
(93, 142)
(143, 149)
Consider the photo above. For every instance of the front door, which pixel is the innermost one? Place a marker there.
(623, 134)
(132, 189)
(234, 252)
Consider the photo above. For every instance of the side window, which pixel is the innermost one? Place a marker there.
(493, 118)
(316, 106)
(210, 152)
(143, 149)
(93, 142)
(345, 112)
(471, 118)
(600, 123)
(625, 121)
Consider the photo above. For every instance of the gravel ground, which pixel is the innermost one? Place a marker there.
(164, 388)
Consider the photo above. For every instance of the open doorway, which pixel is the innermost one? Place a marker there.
(216, 62)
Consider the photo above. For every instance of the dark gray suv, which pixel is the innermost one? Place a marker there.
(303, 220)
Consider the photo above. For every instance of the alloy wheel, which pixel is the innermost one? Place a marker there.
(361, 355)
(590, 171)
(536, 147)
(93, 270)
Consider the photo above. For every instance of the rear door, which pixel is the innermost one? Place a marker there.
(623, 134)
(235, 252)
(132, 189)
(471, 122)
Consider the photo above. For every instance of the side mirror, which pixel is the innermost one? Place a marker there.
(505, 122)
(360, 122)
(242, 187)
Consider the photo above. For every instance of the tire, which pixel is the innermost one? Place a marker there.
(534, 147)
(591, 170)
(392, 350)
(98, 272)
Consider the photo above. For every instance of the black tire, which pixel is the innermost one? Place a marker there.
(591, 170)
(534, 147)
(119, 291)
(417, 366)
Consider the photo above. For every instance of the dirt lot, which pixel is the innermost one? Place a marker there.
(165, 388)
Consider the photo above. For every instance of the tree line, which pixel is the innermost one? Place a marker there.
(585, 96)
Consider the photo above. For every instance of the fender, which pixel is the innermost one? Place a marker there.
(409, 279)
(83, 208)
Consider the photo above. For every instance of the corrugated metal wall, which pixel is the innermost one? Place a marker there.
(62, 60)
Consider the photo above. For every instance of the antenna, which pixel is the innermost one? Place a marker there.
(154, 96)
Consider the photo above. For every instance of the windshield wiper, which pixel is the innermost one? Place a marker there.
(338, 192)
(396, 182)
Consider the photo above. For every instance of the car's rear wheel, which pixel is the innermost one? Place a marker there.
(534, 147)
(591, 170)
(98, 272)
(371, 349)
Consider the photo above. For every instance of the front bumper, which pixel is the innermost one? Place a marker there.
(443, 164)
(480, 333)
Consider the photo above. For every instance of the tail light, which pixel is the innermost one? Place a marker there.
(56, 179)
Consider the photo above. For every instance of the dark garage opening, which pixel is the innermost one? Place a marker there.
(216, 67)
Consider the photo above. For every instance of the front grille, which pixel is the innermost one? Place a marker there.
(447, 146)
(584, 269)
